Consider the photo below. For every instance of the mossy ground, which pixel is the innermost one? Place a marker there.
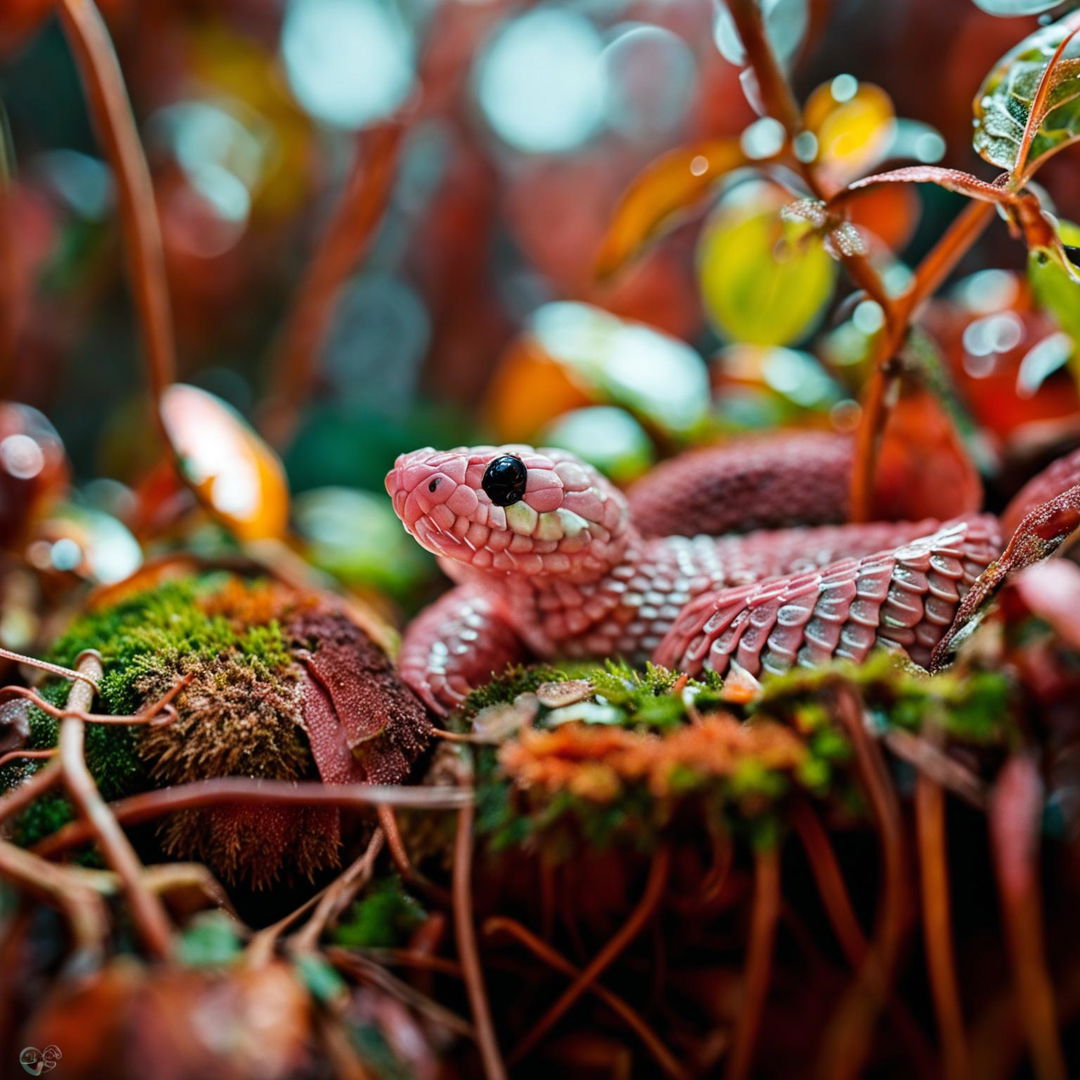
(642, 749)
(147, 641)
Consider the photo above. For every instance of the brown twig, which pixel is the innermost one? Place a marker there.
(44, 665)
(82, 906)
(147, 911)
(26, 755)
(884, 365)
(156, 713)
(468, 953)
(241, 791)
(347, 237)
(847, 1038)
(110, 111)
(336, 896)
(364, 968)
(937, 926)
(830, 883)
(758, 961)
(650, 898)
(780, 103)
(1015, 812)
(663, 1057)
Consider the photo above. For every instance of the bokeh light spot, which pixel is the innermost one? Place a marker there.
(349, 62)
(541, 81)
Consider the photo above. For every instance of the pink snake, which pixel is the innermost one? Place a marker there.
(555, 565)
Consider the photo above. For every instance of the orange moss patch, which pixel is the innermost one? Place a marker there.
(596, 763)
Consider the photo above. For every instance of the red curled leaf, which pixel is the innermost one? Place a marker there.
(1042, 531)
(963, 183)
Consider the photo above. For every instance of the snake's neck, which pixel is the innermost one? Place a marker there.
(581, 614)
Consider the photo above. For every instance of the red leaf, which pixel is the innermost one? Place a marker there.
(924, 469)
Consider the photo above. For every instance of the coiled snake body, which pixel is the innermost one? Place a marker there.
(550, 562)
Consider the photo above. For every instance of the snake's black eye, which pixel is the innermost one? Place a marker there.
(504, 480)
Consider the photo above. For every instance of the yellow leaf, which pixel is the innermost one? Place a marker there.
(851, 134)
(763, 281)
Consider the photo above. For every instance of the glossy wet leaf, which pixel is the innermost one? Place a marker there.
(764, 281)
(1004, 101)
(658, 196)
(234, 473)
(851, 134)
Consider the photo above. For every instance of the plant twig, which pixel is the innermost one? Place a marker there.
(758, 960)
(1015, 811)
(338, 893)
(110, 110)
(18, 798)
(780, 103)
(156, 713)
(937, 926)
(147, 911)
(44, 665)
(650, 898)
(366, 969)
(468, 953)
(884, 364)
(663, 1057)
(82, 906)
(830, 883)
(846, 1041)
(348, 236)
(245, 792)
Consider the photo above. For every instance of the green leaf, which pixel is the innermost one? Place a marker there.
(1057, 287)
(210, 941)
(764, 281)
(1004, 100)
(385, 917)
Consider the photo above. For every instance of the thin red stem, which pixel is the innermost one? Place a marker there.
(110, 110)
(758, 961)
(847, 1039)
(667, 1062)
(937, 926)
(1015, 818)
(650, 898)
(468, 953)
(347, 238)
(245, 792)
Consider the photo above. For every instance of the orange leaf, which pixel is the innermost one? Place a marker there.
(672, 184)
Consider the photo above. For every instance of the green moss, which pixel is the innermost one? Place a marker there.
(145, 640)
(974, 707)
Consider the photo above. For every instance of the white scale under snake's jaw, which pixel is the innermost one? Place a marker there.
(511, 509)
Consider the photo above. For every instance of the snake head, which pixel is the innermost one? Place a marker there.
(510, 509)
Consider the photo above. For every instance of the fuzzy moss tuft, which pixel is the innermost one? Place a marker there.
(147, 642)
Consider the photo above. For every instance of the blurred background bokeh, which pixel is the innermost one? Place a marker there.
(475, 312)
